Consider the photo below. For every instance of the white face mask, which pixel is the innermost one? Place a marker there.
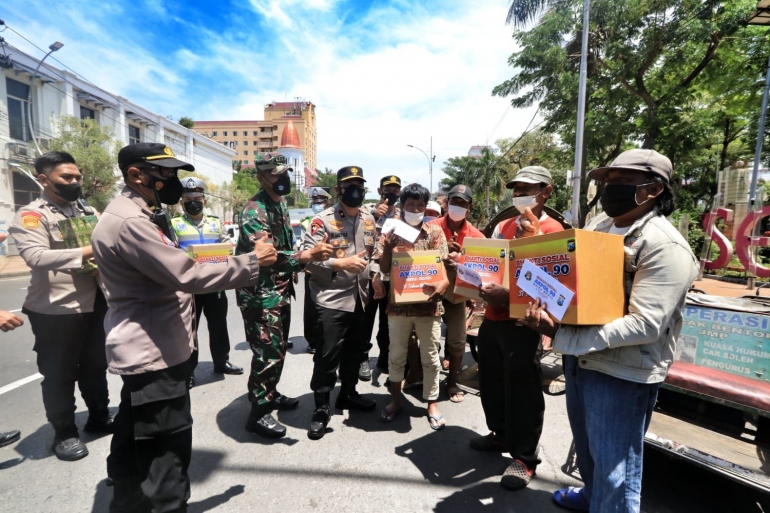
(457, 213)
(413, 218)
(522, 202)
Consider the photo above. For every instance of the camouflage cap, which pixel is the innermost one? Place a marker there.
(273, 162)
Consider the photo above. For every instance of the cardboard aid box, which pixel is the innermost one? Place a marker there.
(76, 233)
(588, 263)
(411, 270)
(488, 257)
(210, 253)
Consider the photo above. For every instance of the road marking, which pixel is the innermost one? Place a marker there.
(21, 382)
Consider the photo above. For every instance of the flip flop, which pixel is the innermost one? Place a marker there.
(438, 426)
(571, 498)
(387, 415)
(456, 395)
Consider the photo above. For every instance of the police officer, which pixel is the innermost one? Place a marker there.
(389, 191)
(320, 201)
(339, 287)
(65, 306)
(262, 304)
(150, 328)
(196, 227)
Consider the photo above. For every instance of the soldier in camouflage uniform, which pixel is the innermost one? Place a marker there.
(266, 215)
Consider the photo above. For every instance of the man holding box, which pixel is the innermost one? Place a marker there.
(456, 228)
(614, 371)
(339, 287)
(64, 304)
(194, 227)
(510, 377)
(423, 318)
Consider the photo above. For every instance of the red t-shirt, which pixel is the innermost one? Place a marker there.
(467, 230)
(507, 230)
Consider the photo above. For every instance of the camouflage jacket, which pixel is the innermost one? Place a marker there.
(274, 287)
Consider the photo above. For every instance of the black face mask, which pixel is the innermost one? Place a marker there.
(69, 191)
(168, 191)
(353, 196)
(282, 186)
(392, 198)
(619, 199)
(193, 207)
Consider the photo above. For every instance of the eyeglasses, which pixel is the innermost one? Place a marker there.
(163, 172)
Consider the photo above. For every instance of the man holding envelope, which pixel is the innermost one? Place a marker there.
(456, 228)
(510, 377)
(613, 385)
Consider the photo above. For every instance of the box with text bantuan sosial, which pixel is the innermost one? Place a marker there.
(588, 263)
(210, 253)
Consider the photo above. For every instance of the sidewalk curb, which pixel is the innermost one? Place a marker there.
(14, 274)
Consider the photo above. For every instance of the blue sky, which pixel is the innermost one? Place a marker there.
(383, 74)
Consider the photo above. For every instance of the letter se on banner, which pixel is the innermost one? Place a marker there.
(742, 241)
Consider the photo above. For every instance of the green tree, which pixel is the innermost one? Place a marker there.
(186, 122)
(95, 150)
(651, 79)
(326, 178)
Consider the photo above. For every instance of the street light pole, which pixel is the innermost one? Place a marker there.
(430, 161)
(581, 117)
(53, 48)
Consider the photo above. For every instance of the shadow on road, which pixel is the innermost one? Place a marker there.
(232, 418)
(213, 502)
(458, 467)
(491, 497)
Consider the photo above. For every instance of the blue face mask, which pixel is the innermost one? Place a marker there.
(317, 207)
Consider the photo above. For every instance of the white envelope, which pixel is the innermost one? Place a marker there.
(538, 284)
(401, 229)
(468, 275)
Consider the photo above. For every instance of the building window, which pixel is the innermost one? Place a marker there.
(224, 133)
(18, 121)
(86, 113)
(233, 144)
(25, 190)
(254, 143)
(245, 143)
(255, 133)
(215, 133)
(246, 152)
(245, 133)
(134, 135)
(256, 152)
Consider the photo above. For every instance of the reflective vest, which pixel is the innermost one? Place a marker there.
(210, 231)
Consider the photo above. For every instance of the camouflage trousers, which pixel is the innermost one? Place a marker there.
(264, 333)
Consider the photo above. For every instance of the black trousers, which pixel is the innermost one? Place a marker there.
(152, 442)
(286, 320)
(214, 307)
(309, 316)
(375, 307)
(341, 345)
(70, 349)
(511, 386)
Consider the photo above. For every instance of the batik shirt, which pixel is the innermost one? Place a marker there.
(263, 215)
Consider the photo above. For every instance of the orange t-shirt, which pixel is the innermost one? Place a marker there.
(466, 231)
(507, 230)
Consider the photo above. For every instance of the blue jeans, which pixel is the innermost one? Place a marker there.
(609, 417)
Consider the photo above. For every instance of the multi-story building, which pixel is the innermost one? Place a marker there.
(56, 93)
(288, 128)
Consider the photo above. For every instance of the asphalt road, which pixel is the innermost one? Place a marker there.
(362, 465)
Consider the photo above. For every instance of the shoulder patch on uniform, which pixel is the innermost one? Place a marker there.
(30, 220)
(165, 239)
(316, 225)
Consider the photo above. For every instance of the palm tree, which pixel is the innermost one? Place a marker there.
(523, 12)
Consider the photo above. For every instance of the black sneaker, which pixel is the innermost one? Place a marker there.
(365, 372)
(354, 401)
(318, 423)
(266, 426)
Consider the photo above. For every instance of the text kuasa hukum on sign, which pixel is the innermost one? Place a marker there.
(588, 263)
(411, 271)
(487, 257)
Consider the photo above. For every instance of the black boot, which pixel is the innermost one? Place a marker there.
(261, 422)
(349, 399)
(127, 497)
(321, 416)
(99, 421)
(66, 443)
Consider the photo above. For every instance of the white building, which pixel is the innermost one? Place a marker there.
(57, 93)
